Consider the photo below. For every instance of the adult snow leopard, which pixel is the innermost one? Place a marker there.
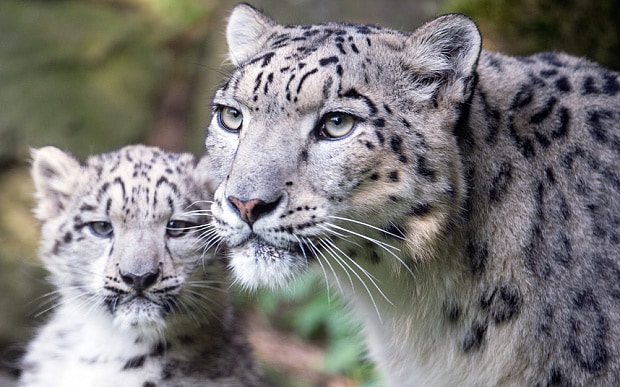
(466, 203)
(139, 302)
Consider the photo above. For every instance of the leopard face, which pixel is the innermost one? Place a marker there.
(122, 233)
(333, 140)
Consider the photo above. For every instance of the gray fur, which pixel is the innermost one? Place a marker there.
(471, 216)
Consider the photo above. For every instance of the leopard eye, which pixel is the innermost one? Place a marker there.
(230, 118)
(177, 228)
(336, 125)
(101, 229)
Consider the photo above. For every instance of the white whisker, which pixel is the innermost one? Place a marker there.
(372, 278)
(385, 246)
(368, 225)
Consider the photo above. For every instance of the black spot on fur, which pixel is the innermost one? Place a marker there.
(611, 86)
(159, 349)
(374, 257)
(328, 60)
(500, 182)
(352, 93)
(524, 97)
(478, 255)
(588, 335)
(341, 48)
(589, 86)
(396, 145)
(380, 137)
(563, 85)
(266, 59)
(420, 209)
(56, 247)
(503, 303)
(424, 170)
(562, 129)
(474, 339)
(393, 176)
(542, 114)
(524, 144)
(135, 362)
(598, 129)
(493, 119)
(557, 378)
(304, 77)
(394, 231)
(452, 312)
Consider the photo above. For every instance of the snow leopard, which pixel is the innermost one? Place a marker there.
(465, 203)
(138, 299)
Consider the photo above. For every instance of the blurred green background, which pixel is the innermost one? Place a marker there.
(94, 75)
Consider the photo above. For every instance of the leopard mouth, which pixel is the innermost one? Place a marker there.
(259, 263)
(138, 310)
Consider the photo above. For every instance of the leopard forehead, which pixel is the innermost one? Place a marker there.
(300, 69)
(139, 182)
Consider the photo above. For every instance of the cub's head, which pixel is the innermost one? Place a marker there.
(124, 232)
(330, 139)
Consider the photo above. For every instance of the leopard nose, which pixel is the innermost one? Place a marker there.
(140, 282)
(251, 210)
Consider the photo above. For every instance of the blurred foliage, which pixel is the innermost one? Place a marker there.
(310, 309)
(88, 75)
(589, 28)
(73, 75)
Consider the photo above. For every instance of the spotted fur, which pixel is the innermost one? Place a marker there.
(138, 301)
(471, 214)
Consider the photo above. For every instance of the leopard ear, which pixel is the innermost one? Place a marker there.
(445, 52)
(246, 31)
(56, 175)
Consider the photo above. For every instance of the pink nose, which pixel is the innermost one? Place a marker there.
(251, 210)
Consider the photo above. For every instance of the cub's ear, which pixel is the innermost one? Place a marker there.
(445, 52)
(246, 32)
(56, 175)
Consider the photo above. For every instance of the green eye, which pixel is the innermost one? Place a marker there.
(230, 118)
(336, 125)
(177, 228)
(101, 229)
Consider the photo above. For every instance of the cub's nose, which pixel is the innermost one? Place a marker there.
(251, 210)
(140, 282)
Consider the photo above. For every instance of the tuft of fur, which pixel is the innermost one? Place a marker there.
(465, 202)
(139, 298)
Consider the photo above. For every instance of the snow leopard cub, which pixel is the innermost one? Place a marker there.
(140, 302)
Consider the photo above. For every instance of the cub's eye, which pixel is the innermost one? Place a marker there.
(101, 229)
(336, 125)
(177, 228)
(230, 118)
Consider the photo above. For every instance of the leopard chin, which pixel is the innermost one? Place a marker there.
(257, 263)
(140, 313)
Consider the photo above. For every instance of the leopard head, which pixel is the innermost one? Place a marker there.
(335, 140)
